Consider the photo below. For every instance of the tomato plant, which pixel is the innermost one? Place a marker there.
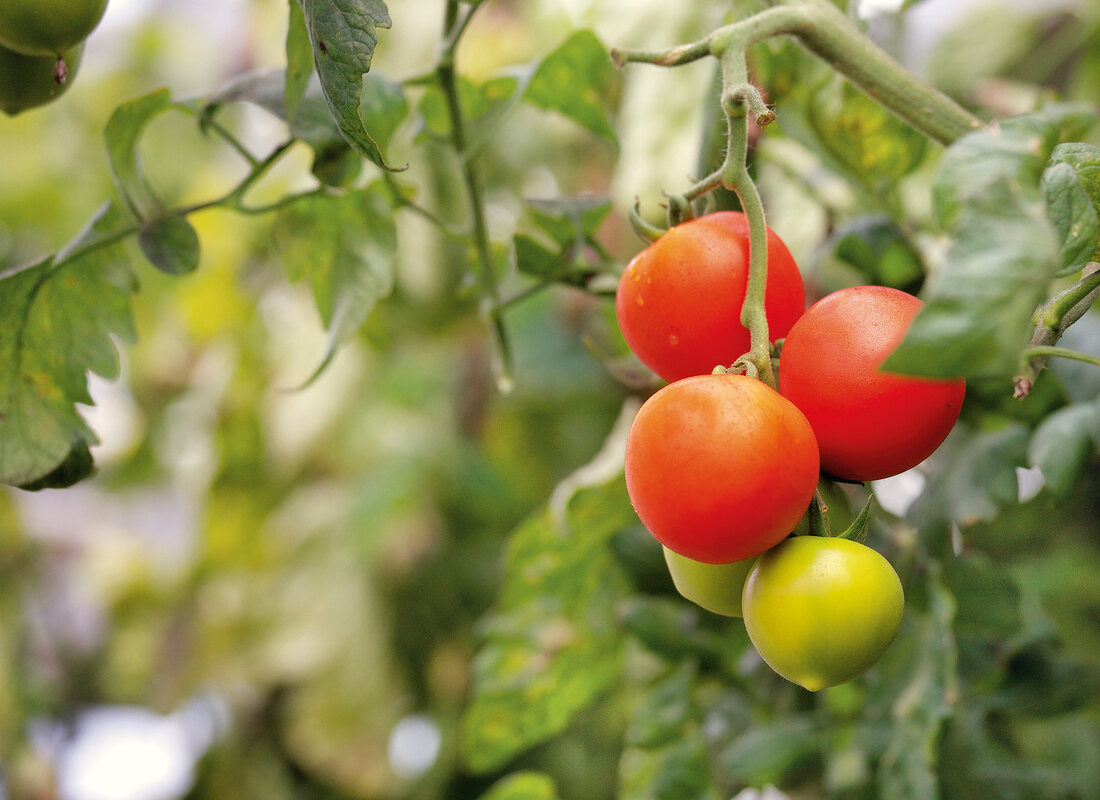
(720, 467)
(29, 81)
(679, 300)
(48, 27)
(715, 587)
(869, 423)
(822, 610)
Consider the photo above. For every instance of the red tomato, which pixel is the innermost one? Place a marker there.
(679, 300)
(720, 467)
(869, 424)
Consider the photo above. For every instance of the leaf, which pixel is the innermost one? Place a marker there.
(523, 786)
(908, 766)
(55, 321)
(573, 80)
(1062, 446)
(1084, 160)
(572, 219)
(122, 133)
(481, 103)
(299, 61)
(987, 598)
(344, 34)
(345, 247)
(77, 466)
(665, 710)
(977, 477)
(1073, 215)
(771, 751)
(875, 146)
(875, 248)
(170, 244)
(551, 643)
(535, 260)
(671, 629)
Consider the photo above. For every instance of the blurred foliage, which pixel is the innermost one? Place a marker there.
(397, 539)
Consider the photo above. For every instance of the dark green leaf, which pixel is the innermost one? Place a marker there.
(769, 752)
(671, 629)
(55, 321)
(170, 244)
(665, 710)
(1063, 444)
(678, 771)
(299, 61)
(874, 145)
(123, 132)
(1074, 217)
(77, 466)
(552, 643)
(1084, 159)
(523, 786)
(345, 247)
(977, 477)
(574, 80)
(908, 766)
(534, 259)
(570, 220)
(986, 596)
(875, 248)
(343, 34)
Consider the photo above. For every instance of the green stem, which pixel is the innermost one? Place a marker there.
(486, 277)
(1061, 352)
(829, 34)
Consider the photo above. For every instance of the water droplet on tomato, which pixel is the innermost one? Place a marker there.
(641, 301)
(673, 340)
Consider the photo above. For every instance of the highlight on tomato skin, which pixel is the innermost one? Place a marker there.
(720, 467)
(679, 300)
(869, 424)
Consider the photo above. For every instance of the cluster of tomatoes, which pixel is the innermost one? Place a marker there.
(721, 467)
(41, 43)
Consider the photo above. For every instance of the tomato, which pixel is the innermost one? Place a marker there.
(679, 300)
(47, 27)
(869, 424)
(720, 467)
(715, 587)
(28, 81)
(821, 611)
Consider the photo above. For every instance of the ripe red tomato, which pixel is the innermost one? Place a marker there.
(821, 611)
(720, 467)
(869, 424)
(679, 300)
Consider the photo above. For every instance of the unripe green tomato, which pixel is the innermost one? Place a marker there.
(821, 611)
(47, 27)
(715, 587)
(28, 81)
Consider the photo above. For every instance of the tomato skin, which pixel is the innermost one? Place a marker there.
(720, 467)
(820, 611)
(869, 424)
(679, 300)
(714, 587)
(48, 27)
(27, 81)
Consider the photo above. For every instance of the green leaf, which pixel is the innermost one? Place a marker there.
(481, 103)
(874, 145)
(665, 710)
(574, 80)
(908, 766)
(343, 34)
(535, 260)
(552, 645)
(986, 596)
(1062, 446)
(299, 61)
(875, 248)
(572, 219)
(977, 477)
(671, 629)
(123, 132)
(523, 786)
(1084, 160)
(771, 751)
(1073, 215)
(170, 244)
(345, 247)
(77, 466)
(55, 321)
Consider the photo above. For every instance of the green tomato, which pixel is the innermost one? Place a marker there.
(47, 27)
(820, 611)
(28, 81)
(715, 587)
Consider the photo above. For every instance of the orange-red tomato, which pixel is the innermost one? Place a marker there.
(869, 424)
(720, 467)
(679, 300)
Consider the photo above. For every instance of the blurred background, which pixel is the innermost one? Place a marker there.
(274, 593)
